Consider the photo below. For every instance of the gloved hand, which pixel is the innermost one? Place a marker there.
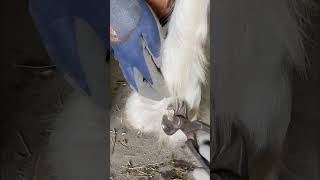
(203, 139)
(136, 36)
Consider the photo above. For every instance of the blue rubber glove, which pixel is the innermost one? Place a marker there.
(136, 37)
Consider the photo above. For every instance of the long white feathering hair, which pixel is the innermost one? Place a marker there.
(184, 67)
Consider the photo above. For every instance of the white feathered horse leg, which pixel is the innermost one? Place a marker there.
(184, 69)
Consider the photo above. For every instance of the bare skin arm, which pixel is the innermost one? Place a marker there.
(160, 7)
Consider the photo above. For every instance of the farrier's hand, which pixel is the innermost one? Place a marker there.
(203, 139)
(136, 38)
